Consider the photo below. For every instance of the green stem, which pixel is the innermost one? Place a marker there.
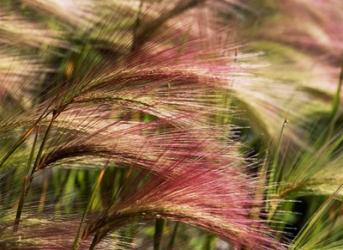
(335, 105)
(173, 237)
(275, 173)
(261, 187)
(159, 227)
(28, 178)
(209, 243)
(88, 207)
(21, 199)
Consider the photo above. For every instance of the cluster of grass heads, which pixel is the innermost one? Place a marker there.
(145, 124)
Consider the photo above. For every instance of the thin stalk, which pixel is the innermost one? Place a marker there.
(41, 148)
(28, 178)
(274, 176)
(276, 171)
(21, 199)
(20, 204)
(261, 187)
(159, 228)
(173, 237)
(209, 243)
(335, 105)
(88, 207)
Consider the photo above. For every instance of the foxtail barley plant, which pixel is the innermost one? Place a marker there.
(191, 124)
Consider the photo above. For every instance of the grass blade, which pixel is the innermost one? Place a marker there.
(159, 228)
(88, 207)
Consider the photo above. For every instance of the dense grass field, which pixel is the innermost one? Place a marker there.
(171, 124)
